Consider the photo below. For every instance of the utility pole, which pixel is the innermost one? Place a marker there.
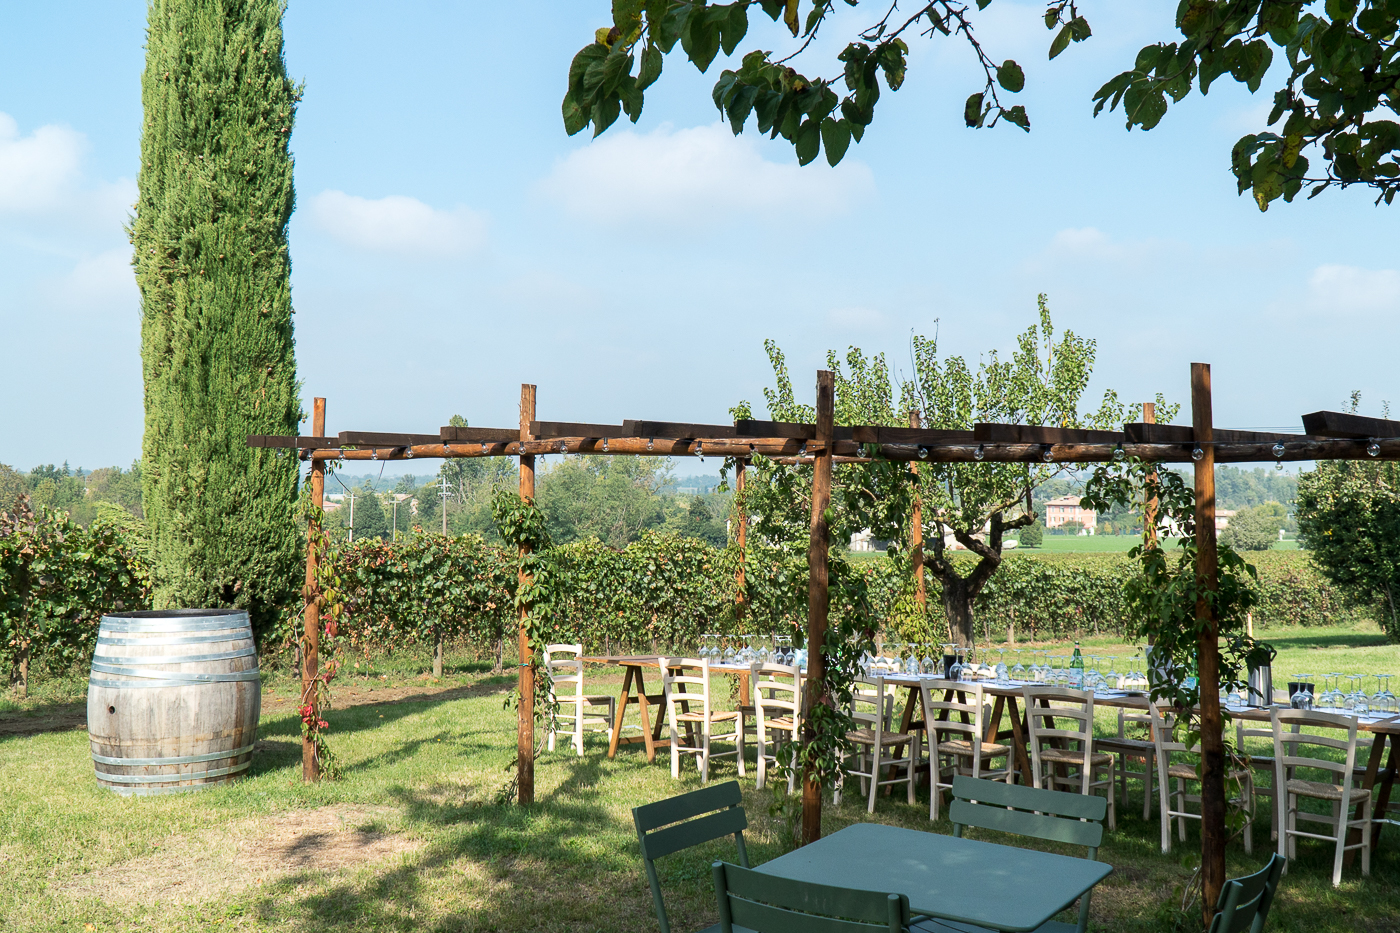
(393, 535)
(445, 489)
(351, 496)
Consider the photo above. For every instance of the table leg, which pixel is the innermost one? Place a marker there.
(622, 702)
(1367, 783)
(1019, 728)
(991, 732)
(643, 703)
(1387, 782)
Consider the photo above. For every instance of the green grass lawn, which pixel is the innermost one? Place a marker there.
(413, 838)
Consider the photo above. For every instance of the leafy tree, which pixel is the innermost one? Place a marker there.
(609, 498)
(1237, 488)
(975, 503)
(1342, 72)
(1033, 535)
(1349, 520)
(12, 486)
(55, 487)
(123, 488)
(211, 260)
(702, 517)
(1255, 529)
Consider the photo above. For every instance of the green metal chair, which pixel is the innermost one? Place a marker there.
(670, 825)
(770, 904)
(1053, 815)
(1244, 902)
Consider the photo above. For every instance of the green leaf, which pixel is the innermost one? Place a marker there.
(734, 27)
(972, 110)
(651, 67)
(1061, 41)
(836, 137)
(700, 39)
(807, 141)
(1017, 115)
(575, 116)
(1010, 76)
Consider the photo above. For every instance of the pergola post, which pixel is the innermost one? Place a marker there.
(1208, 649)
(916, 531)
(525, 743)
(311, 621)
(818, 597)
(741, 536)
(1149, 503)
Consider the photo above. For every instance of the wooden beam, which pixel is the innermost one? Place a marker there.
(916, 530)
(1344, 424)
(742, 537)
(1213, 800)
(378, 439)
(1145, 432)
(1040, 434)
(454, 434)
(818, 598)
(679, 429)
(525, 733)
(1149, 502)
(749, 428)
(304, 443)
(311, 618)
(574, 429)
(913, 435)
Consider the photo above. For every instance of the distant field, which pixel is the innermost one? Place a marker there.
(1058, 544)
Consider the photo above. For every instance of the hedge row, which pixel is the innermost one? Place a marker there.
(664, 591)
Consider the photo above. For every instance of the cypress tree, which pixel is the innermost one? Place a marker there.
(210, 253)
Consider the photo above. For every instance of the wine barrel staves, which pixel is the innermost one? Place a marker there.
(173, 700)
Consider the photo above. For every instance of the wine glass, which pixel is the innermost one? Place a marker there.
(1389, 703)
(1003, 675)
(1301, 698)
(928, 666)
(1018, 670)
(729, 652)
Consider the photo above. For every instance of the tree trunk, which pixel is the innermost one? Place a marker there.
(22, 682)
(957, 604)
(437, 653)
(500, 653)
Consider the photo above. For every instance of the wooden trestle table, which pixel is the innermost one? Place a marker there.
(633, 666)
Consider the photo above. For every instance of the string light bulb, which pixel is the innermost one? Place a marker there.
(1197, 454)
(1278, 464)
(1118, 453)
(700, 449)
(1373, 449)
(1278, 449)
(979, 453)
(373, 454)
(485, 447)
(408, 453)
(802, 449)
(650, 441)
(752, 450)
(563, 447)
(605, 445)
(1047, 454)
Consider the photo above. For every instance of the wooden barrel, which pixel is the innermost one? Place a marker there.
(173, 700)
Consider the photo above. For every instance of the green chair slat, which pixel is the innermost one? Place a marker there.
(674, 809)
(1244, 902)
(782, 905)
(1057, 802)
(1021, 823)
(663, 842)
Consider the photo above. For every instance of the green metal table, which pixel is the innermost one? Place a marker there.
(993, 886)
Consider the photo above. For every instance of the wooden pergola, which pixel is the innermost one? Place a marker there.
(1327, 436)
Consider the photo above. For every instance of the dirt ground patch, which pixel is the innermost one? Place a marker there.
(57, 718)
(189, 870)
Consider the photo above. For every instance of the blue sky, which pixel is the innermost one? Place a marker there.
(451, 242)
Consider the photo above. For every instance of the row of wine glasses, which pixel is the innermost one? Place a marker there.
(1355, 700)
(746, 649)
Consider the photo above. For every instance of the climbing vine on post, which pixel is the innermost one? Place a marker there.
(521, 525)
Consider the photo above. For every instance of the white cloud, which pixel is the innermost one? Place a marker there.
(37, 171)
(398, 224)
(701, 175)
(1352, 290)
(99, 282)
(856, 318)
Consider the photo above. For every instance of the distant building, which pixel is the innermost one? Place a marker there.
(1066, 509)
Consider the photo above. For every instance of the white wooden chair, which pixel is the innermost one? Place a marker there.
(1064, 758)
(963, 713)
(692, 730)
(1130, 749)
(872, 706)
(566, 689)
(776, 690)
(1181, 763)
(1297, 775)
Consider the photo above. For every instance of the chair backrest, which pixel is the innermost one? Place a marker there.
(1244, 902)
(1062, 715)
(676, 823)
(686, 673)
(871, 703)
(952, 707)
(1053, 815)
(776, 690)
(1292, 736)
(772, 904)
(1128, 716)
(1163, 730)
(564, 672)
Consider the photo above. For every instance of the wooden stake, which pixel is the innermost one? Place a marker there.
(525, 744)
(818, 597)
(916, 532)
(311, 622)
(1208, 650)
(742, 536)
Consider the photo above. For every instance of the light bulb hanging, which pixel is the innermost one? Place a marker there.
(605, 445)
(1118, 453)
(802, 449)
(923, 453)
(1278, 449)
(1047, 454)
(1373, 449)
(979, 453)
(650, 441)
(700, 449)
(563, 447)
(1197, 454)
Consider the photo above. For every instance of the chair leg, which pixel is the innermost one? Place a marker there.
(760, 748)
(578, 729)
(1181, 808)
(1368, 815)
(874, 778)
(705, 755)
(675, 753)
(739, 741)
(1340, 850)
(914, 749)
(1247, 787)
